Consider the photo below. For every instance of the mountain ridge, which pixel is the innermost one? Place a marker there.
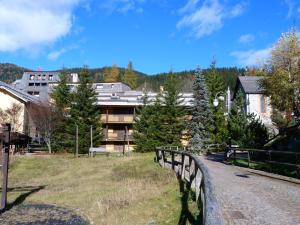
(10, 72)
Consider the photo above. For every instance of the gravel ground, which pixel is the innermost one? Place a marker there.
(40, 214)
(247, 198)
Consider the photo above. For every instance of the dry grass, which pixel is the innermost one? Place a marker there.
(107, 190)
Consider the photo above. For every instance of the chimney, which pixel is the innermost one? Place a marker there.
(74, 77)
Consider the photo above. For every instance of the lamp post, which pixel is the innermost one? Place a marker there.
(218, 97)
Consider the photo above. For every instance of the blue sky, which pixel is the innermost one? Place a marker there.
(157, 35)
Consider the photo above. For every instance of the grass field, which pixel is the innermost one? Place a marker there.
(106, 190)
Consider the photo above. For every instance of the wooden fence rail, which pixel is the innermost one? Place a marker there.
(190, 169)
(270, 157)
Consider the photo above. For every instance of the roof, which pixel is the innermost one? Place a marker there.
(111, 87)
(135, 98)
(251, 84)
(18, 93)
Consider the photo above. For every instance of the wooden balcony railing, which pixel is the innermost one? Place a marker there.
(118, 136)
(120, 118)
(190, 169)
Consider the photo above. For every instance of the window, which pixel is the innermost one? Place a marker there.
(36, 93)
(37, 84)
(39, 77)
(44, 77)
(31, 77)
(112, 86)
(262, 104)
(44, 84)
(30, 84)
(50, 77)
(99, 86)
(30, 92)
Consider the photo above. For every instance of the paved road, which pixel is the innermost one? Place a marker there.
(247, 198)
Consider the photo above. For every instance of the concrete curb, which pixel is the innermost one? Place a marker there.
(271, 175)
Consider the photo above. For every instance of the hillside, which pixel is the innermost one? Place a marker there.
(10, 72)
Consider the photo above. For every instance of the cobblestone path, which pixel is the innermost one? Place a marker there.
(247, 198)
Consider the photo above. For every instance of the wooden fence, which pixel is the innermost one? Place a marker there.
(270, 157)
(190, 169)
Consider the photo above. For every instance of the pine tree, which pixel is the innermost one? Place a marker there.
(238, 123)
(130, 77)
(215, 86)
(84, 113)
(140, 127)
(61, 97)
(200, 122)
(247, 131)
(147, 127)
(258, 132)
(173, 112)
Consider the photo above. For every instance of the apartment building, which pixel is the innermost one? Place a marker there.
(117, 105)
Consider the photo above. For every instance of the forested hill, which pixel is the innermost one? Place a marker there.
(11, 72)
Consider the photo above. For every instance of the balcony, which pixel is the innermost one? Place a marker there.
(120, 118)
(118, 136)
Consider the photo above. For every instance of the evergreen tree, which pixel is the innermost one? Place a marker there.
(215, 86)
(258, 133)
(130, 77)
(173, 112)
(237, 120)
(84, 113)
(61, 97)
(140, 127)
(200, 122)
(147, 126)
(245, 130)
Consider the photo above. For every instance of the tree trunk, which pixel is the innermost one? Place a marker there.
(48, 142)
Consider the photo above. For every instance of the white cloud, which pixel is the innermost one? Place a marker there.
(208, 17)
(252, 57)
(56, 54)
(190, 6)
(238, 9)
(27, 24)
(122, 6)
(246, 38)
(293, 8)
(291, 5)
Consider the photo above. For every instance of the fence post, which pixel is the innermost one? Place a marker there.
(164, 157)
(248, 159)
(234, 155)
(173, 159)
(76, 150)
(5, 163)
(270, 159)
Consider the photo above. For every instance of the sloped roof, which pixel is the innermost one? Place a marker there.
(18, 93)
(111, 87)
(251, 84)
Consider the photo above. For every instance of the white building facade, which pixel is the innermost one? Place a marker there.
(256, 101)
